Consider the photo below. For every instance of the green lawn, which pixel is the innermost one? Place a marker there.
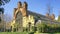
(24, 33)
(13, 33)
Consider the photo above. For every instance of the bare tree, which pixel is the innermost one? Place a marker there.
(3, 2)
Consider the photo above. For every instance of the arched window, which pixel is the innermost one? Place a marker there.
(29, 26)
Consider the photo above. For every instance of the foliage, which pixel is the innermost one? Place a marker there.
(34, 29)
(13, 32)
(2, 10)
(52, 28)
(3, 2)
(40, 27)
(25, 29)
(31, 32)
(59, 19)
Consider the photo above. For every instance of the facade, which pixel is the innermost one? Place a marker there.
(22, 17)
(26, 18)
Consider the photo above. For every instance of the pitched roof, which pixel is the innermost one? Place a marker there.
(41, 17)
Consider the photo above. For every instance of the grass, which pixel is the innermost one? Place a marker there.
(24, 33)
(13, 33)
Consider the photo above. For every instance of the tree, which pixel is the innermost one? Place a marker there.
(1, 12)
(40, 27)
(58, 18)
(3, 2)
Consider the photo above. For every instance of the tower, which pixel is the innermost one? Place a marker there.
(19, 13)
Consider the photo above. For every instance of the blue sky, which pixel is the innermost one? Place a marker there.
(38, 6)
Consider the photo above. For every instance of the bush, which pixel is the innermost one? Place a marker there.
(34, 29)
(40, 27)
(31, 32)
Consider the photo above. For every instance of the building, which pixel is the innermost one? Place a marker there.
(22, 17)
(26, 18)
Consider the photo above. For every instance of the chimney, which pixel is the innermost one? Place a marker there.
(52, 16)
(25, 5)
(19, 4)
